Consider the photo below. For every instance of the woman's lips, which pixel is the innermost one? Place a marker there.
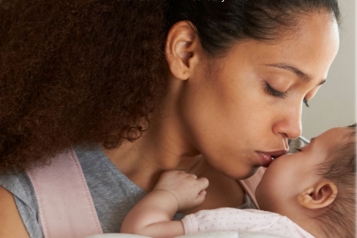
(265, 159)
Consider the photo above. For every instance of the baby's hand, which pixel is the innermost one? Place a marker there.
(186, 188)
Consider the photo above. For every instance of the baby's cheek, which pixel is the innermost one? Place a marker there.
(261, 197)
(262, 190)
(268, 184)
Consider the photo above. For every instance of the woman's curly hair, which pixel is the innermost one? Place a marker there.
(75, 72)
(87, 72)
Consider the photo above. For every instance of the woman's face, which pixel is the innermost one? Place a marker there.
(240, 109)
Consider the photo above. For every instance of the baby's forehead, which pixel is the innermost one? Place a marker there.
(338, 137)
(338, 134)
(335, 137)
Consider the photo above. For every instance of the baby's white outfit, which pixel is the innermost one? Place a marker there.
(231, 219)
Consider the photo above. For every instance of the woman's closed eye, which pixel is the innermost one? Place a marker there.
(276, 93)
(298, 149)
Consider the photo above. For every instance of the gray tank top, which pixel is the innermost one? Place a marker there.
(112, 192)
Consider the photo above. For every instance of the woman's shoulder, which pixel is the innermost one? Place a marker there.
(113, 194)
(21, 188)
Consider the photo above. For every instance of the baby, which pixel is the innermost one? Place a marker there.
(310, 193)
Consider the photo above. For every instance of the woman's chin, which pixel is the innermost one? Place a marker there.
(242, 174)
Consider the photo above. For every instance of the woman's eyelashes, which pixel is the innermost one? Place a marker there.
(279, 94)
(305, 101)
(298, 149)
(274, 92)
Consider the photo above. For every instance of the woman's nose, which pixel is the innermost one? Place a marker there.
(289, 124)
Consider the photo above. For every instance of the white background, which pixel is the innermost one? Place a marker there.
(335, 103)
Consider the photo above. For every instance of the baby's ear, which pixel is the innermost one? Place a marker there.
(320, 195)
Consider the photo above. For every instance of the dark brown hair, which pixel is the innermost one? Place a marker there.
(85, 72)
(339, 220)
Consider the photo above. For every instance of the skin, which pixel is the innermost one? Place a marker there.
(298, 192)
(176, 190)
(11, 224)
(290, 187)
(217, 114)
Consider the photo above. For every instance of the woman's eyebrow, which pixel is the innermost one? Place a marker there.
(303, 76)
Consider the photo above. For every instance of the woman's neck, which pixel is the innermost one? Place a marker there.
(144, 166)
(162, 147)
(166, 145)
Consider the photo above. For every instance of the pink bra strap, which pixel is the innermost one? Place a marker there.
(65, 203)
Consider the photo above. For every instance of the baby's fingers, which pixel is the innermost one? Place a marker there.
(200, 197)
(203, 183)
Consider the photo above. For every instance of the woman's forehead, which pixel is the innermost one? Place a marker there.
(311, 49)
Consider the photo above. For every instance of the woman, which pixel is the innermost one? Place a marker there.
(137, 88)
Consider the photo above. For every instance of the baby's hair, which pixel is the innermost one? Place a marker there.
(340, 168)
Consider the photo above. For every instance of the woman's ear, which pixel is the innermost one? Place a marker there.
(319, 196)
(181, 49)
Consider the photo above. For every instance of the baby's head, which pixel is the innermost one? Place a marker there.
(315, 187)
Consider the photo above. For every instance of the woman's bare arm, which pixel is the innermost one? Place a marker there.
(11, 224)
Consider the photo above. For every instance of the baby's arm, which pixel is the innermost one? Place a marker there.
(175, 191)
